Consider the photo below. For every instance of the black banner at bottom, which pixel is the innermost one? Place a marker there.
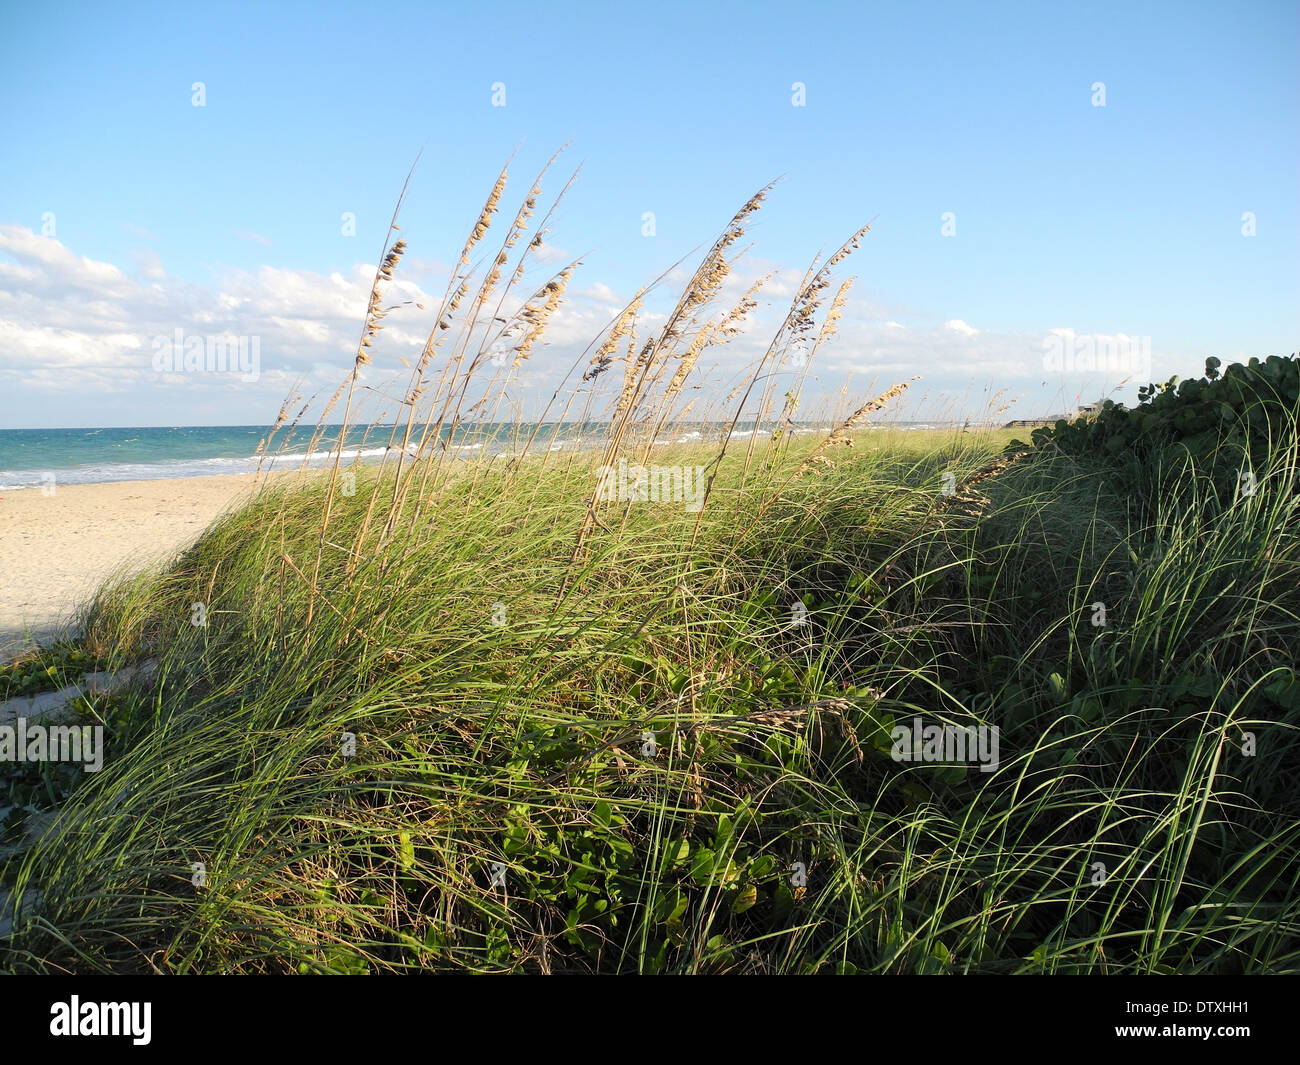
(143, 1014)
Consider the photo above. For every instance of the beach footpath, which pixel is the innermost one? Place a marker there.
(58, 544)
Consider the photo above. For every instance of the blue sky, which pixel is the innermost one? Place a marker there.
(1125, 219)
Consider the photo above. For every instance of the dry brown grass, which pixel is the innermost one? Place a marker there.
(486, 333)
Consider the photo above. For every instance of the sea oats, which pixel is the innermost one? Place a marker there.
(485, 218)
(551, 293)
(841, 434)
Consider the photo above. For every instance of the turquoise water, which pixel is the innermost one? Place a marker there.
(86, 456)
(29, 457)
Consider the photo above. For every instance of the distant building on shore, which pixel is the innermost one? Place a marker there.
(1028, 423)
(1052, 419)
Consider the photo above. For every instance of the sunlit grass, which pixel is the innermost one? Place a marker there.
(525, 743)
(464, 715)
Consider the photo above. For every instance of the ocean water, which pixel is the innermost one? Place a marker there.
(30, 458)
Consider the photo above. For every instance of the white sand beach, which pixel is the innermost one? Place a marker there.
(55, 549)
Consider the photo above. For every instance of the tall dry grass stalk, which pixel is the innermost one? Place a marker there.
(388, 261)
(798, 323)
(487, 335)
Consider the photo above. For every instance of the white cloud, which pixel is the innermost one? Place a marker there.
(600, 293)
(75, 327)
(305, 327)
(46, 259)
(551, 255)
(42, 348)
(148, 264)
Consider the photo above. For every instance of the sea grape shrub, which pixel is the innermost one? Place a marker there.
(1226, 424)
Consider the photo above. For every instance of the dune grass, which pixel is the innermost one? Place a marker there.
(663, 770)
(466, 715)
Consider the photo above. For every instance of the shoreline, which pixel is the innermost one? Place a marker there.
(25, 472)
(56, 549)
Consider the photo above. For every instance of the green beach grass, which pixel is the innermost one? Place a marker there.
(465, 716)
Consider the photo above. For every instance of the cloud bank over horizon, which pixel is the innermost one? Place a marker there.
(79, 340)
